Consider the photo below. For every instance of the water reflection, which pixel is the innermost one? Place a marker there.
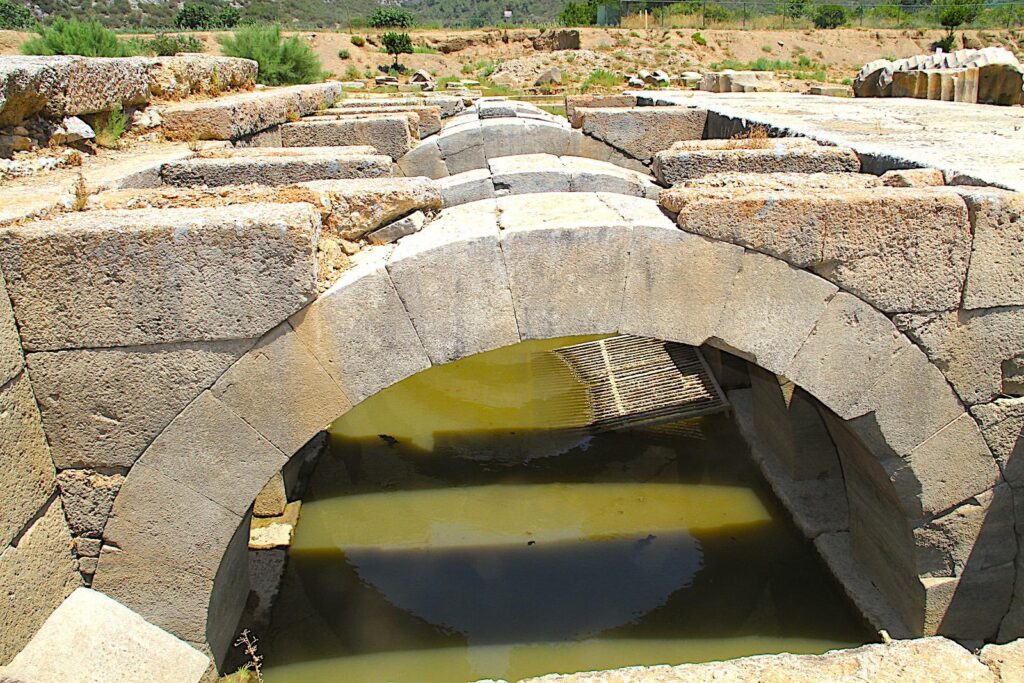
(451, 534)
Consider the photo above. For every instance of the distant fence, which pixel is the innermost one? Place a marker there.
(776, 14)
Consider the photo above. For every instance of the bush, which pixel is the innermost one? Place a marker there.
(193, 16)
(14, 17)
(699, 39)
(283, 61)
(396, 44)
(110, 132)
(228, 17)
(794, 9)
(600, 78)
(351, 73)
(344, 54)
(830, 16)
(164, 45)
(716, 13)
(954, 13)
(583, 13)
(358, 41)
(71, 37)
(390, 17)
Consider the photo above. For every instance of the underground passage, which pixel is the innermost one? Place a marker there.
(472, 522)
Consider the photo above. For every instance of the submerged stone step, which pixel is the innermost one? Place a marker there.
(274, 169)
(390, 134)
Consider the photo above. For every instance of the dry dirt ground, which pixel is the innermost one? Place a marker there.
(839, 53)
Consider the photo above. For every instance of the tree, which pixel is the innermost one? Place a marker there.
(390, 17)
(583, 13)
(794, 9)
(830, 16)
(954, 13)
(397, 44)
(228, 17)
(193, 16)
(14, 17)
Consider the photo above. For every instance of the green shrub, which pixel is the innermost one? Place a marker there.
(110, 132)
(351, 73)
(600, 78)
(283, 61)
(794, 9)
(830, 16)
(699, 39)
(954, 13)
(358, 41)
(228, 17)
(71, 37)
(390, 17)
(14, 17)
(344, 54)
(192, 16)
(582, 13)
(165, 45)
(396, 44)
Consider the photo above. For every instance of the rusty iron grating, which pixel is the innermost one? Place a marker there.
(639, 381)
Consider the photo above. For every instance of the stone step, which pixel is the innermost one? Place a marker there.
(641, 132)
(390, 134)
(429, 116)
(274, 169)
(237, 116)
(448, 104)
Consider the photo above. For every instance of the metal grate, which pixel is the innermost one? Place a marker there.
(638, 381)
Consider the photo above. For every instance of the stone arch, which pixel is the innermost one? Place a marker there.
(494, 272)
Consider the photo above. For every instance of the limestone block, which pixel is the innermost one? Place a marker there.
(851, 347)
(235, 116)
(462, 148)
(467, 187)
(590, 175)
(771, 181)
(528, 173)
(11, 359)
(971, 538)
(361, 333)
(777, 155)
(272, 498)
(597, 101)
(424, 160)
(428, 117)
(181, 75)
(1002, 423)
(451, 278)
(182, 274)
(1005, 661)
(969, 607)
(975, 349)
(914, 177)
(996, 274)
(929, 659)
(35, 577)
(403, 227)
(513, 137)
(122, 647)
(102, 407)
(390, 134)
(304, 399)
(355, 207)
(448, 104)
(899, 250)
(24, 459)
(772, 309)
(88, 497)
(642, 132)
(582, 145)
(1001, 84)
(273, 170)
(583, 240)
(637, 211)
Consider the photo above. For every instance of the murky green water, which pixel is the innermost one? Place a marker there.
(450, 534)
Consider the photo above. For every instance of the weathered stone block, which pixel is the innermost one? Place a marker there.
(996, 274)
(360, 332)
(11, 359)
(102, 407)
(514, 137)
(462, 148)
(182, 274)
(24, 459)
(122, 647)
(355, 207)
(970, 538)
(467, 187)
(1002, 424)
(1005, 661)
(35, 577)
(578, 236)
(451, 278)
(590, 175)
(642, 132)
(772, 309)
(528, 173)
(969, 607)
(914, 177)
(428, 117)
(182, 75)
(777, 155)
(273, 170)
(272, 498)
(313, 400)
(424, 160)
(233, 117)
(598, 101)
(582, 145)
(395, 231)
(390, 134)
(88, 498)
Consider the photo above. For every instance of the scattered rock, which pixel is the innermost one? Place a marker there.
(422, 76)
(399, 229)
(72, 129)
(551, 76)
(559, 39)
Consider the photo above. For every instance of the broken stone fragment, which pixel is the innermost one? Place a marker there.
(551, 76)
(72, 129)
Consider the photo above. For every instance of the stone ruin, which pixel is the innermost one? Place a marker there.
(869, 327)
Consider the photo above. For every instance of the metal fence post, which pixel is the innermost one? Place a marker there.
(704, 14)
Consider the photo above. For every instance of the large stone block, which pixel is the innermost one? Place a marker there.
(451, 277)
(771, 310)
(181, 75)
(898, 249)
(467, 187)
(1002, 424)
(996, 274)
(390, 134)
(449, 105)
(970, 538)
(91, 637)
(24, 459)
(968, 607)
(975, 349)
(512, 137)
(528, 173)
(1005, 661)
(360, 331)
(591, 175)
(355, 207)
(851, 347)
(428, 116)
(88, 498)
(642, 132)
(462, 148)
(598, 101)
(235, 116)
(102, 407)
(274, 170)
(11, 359)
(181, 274)
(281, 391)
(777, 155)
(580, 238)
(424, 160)
(677, 285)
(35, 577)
